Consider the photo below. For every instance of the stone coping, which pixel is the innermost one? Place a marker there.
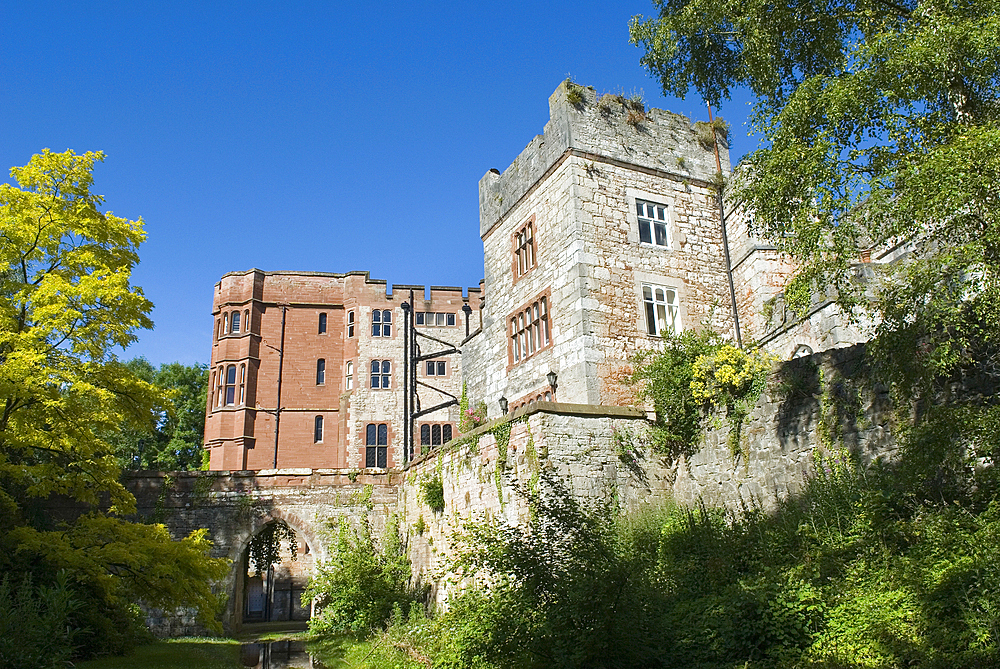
(558, 408)
(251, 473)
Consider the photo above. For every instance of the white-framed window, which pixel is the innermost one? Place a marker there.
(434, 318)
(654, 223)
(381, 376)
(318, 429)
(235, 328)
(349, 379)
(382, 322)
(350, 323)
(661, 309)
(436, 368)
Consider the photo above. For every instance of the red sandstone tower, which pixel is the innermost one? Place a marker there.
(307, 370)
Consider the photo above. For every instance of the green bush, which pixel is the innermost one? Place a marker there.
(855, 571)
(665, 376)
(35, 623)
(433, 493)
(356, 589)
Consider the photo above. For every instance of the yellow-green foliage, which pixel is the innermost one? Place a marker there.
(731, 379)
(729, 374)
(66, 306)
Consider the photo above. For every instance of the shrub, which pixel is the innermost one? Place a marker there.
(574, 94)
(665, 377)
(356, 589)
(36, 631)
(433, 493)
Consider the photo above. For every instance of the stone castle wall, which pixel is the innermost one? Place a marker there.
(603, 454)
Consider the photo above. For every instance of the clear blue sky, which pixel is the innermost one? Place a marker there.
(318, 136)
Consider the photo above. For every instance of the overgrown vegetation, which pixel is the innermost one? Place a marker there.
(358, 588)
(432, 490)
(264, 549)
(866, 567)
(692, 377)
(574, 93)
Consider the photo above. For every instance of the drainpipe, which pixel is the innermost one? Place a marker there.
(725, 236)
(406, 378)
(281, 362)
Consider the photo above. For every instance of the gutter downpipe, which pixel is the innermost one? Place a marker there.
(406, 378)
(725, 236)
(281, 362)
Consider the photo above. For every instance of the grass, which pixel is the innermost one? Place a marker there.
(212, 653)
(186, 653)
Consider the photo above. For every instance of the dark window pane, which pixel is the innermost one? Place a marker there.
(320, 371)
(236, 321)
(435, 435)
(451, 319)
(322, 323)
(318, 436)
(430, 368)
(638, 208)
(650, 318)
(385, 366)
(644, 233)
(387, 316)
(376, 330)
(231, 374)
(420, 317)
(230, 395)
(425, 435)
(382, 457)
(376, 379)
(376, 316)
(440, 369)
(370, 456)
(370, 436)
(383, 434)
(661, 234)
(446, 433)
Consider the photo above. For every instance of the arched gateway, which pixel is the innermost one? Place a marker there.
(240, 505)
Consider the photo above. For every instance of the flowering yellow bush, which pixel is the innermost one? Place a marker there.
(728, 375)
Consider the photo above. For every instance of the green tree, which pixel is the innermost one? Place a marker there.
(174, 441)
(66, 303)
(879, 121)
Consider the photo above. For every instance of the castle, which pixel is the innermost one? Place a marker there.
(606, 232)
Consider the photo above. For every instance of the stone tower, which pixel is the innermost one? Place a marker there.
(604, 233)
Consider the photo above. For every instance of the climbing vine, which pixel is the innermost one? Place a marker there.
(501, 433)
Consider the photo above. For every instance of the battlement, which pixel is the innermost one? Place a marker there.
(609, 129)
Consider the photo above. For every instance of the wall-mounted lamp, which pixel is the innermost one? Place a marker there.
(503, 405)
(551, 376)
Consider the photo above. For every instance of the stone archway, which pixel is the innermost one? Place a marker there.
(277, 591)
